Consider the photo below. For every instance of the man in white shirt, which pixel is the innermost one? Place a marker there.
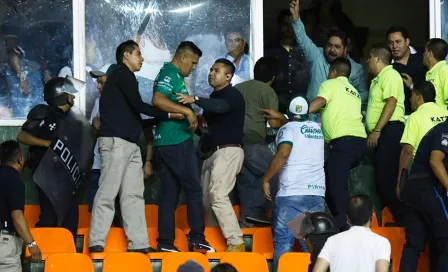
(299, 160)
(357, 249)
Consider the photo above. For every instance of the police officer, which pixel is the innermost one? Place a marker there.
(425, 190)
(385, 124)
(427, 114)
(38, 131)
(343, 129)
(316, 228)
(13, 226)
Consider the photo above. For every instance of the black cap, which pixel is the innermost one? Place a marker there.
(323, 223)
(58, 86)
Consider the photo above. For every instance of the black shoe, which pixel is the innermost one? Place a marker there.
(167, 248)
(201, 246)
(96, 249)
(261, 220)
(143, 250)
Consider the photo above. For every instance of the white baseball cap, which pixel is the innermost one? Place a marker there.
(298, 108)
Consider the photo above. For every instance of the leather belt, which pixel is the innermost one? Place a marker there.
(343, 138)
(226, 145)
(12, 233)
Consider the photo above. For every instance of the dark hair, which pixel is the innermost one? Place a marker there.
(340, 34)
(127, 46)
(282, 14)
(224, 267)
(383, 53)
(342, 66)
(187, 45)
(427, 90)
(10, 152)
(228, 64)
(265, 69)
(395, 29)
(438, 47)
(235, 29)
(359, 209)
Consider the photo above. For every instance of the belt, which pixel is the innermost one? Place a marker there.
(224, 146)
(12, 233)
(344, 138)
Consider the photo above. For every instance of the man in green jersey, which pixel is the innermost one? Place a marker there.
(174, 151)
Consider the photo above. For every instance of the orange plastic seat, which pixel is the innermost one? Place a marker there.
(217, 241)
(294, 261)
(84, 217)
(152, 216)
(171, 262)
(116, 241)
(180, 242)
(397, 240)
(246, 261)
(263, 243)
(52, 240)
(375, 223)
(386, 216)
(236, 208)
(31, 214)
(128, 261)
(68, 262)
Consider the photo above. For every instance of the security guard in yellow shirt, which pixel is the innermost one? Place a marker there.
(385, 123)
(340, 105)
(427, 114)
(436, 51)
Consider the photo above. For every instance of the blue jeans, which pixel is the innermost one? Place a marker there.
(286, 209)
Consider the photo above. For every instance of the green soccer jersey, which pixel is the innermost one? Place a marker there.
(170, 82)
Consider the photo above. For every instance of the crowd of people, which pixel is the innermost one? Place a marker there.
(404, 124)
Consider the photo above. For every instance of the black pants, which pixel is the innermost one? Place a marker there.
(429, 219)
(257, 158)
(48, 217)
(178, 168)
(387, 160)
(345, 153)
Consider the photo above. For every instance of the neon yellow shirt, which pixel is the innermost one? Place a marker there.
(438, 75)
(388, 83)
(341, 115)
(421, 121)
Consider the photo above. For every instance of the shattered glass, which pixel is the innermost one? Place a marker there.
(34, 38)
(159, 26)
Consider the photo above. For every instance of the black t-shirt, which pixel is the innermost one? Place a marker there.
(12, 196)
(46, 130)
(416, 70)
(225, 128)
(435, 139)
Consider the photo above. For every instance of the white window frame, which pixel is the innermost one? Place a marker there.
(435, 19)
(79, 48)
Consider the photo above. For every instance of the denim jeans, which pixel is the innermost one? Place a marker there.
(286, 209)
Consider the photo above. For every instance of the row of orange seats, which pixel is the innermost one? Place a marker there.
(54, 240)
(151, 211)
(137, 262)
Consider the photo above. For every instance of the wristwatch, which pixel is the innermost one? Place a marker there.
(196, 98)
(30, 245)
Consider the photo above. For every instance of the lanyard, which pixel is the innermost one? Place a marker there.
(442, 202)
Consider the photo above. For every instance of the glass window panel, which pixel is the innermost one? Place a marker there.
(159, 26)
(36, 45)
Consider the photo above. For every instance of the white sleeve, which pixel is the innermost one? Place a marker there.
(383, 250)
(285, 135)
(325, 253)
